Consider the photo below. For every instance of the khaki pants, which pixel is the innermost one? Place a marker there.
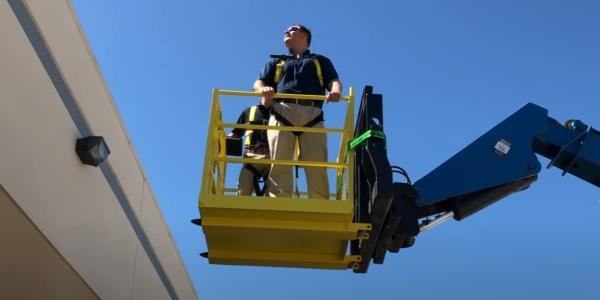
(313, 147)
(246, 180)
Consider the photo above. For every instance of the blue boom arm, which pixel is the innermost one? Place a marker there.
(497, 164)
(503, 161)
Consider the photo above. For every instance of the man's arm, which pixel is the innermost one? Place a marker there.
(331, 78)
(335, 91)
(265, 83)
(267, 92)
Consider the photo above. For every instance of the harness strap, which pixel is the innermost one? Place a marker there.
(249, 132)
(285, 121)
(255, 181)
(279, 70)
(315, 121)
(281, 64)
(318, 67)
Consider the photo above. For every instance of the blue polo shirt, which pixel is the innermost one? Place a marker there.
(299, 75)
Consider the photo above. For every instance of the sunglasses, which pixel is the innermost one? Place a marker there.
(293, 28)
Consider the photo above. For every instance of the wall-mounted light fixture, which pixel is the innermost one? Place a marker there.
(92, 150)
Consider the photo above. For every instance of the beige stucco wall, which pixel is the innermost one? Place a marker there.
(71, 204)
(30, 268)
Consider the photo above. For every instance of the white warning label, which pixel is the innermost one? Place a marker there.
(502, 147)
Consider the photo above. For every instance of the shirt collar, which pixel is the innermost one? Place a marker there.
(305, 54)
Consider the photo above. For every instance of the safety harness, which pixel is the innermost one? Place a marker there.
(281, 63)
(285, 122)
(249, 146)
(278, 74)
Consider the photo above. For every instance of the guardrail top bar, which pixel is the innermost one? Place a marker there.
(279, 95)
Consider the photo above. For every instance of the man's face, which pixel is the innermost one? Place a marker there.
(294, 36)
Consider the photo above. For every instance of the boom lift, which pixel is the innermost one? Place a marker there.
(371, 214)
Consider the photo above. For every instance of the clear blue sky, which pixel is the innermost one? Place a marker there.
(448, 71)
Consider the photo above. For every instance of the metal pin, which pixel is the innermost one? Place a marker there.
(437, 221)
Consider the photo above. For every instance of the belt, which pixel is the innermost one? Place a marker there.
(304, 102)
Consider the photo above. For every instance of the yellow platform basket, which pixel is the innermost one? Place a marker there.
(282, 232)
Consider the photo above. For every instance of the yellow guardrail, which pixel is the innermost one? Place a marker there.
(282, 232)
(216, 160)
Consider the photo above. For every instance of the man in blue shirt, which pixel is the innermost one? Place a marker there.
(300, 72)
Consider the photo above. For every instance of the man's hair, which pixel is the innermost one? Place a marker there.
(305, 30)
